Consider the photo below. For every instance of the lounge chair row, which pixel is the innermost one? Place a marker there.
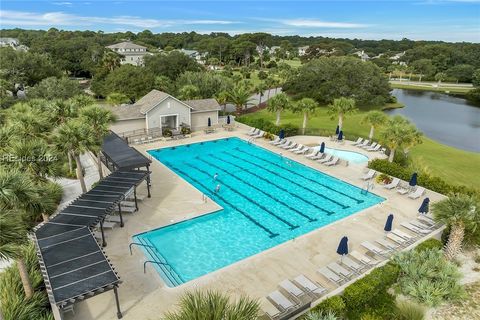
(255, 133)
(309, 152)
(396, 184)
(367, 145)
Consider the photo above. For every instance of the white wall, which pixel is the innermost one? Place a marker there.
(169, 106)
(200, 119)
(127, 125)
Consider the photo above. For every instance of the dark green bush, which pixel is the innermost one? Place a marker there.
(262, 75)
(425, 180)
(333, 304)
(429, 244)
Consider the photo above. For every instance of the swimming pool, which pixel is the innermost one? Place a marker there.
(350, 156)
(266, 201)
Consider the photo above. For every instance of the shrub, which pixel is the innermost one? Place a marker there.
(186, 130)
(262, 75)
(383, 178)
(333, 304)
(406, 310)
(167, 132)
(428, 277)
(429, 244)
(268, 126)
(319, 315)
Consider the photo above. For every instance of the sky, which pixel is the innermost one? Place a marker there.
(446, 20)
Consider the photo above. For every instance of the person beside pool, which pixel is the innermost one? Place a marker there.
(217, 188)
(215, 176)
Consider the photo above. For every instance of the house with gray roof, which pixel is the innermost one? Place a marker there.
(131, 53)
(159, 110)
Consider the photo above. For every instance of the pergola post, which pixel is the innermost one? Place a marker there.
(57, 314)
(119, 312)
(120, 214)
(104, 243)
(148, 181)
(135, 197)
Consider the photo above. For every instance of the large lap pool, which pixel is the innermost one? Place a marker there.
(266, 200)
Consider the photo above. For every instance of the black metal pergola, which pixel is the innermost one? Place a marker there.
(73, 265)
(118, 155)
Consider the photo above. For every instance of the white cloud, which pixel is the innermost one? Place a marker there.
(313, 23)
(61, 19)
(68, 4)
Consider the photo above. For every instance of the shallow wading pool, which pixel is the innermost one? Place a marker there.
(266, 200)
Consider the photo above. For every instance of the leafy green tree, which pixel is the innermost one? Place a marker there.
(307, 107)
(476, 78)
(188, 92)
(441, 76)
(170, 65)
(277, 104)
(130, 80)
(99, 119)
(55, 88)
(214, 306)
(208, 83)
(111, 60)
(240, 97)
(117, 99)
(424, 67)
(222, 99)
(164, 84)
(460, 212)
(81, 101)
(75, 137)
(341, 107)
(461, 72)
(399, 132)
(328, 78)
(260, 90)
(374, 119)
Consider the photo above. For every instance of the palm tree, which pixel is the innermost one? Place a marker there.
(240, 97)
(260, 90)
(213, 305)
(306, 106)
(12, 238)
(75, 137)
(399, 132)
(188, 92)
(222, 98)
(341, 107)
(110, 60)
(81, 101)
(99, 119)
(375, 119)
(278, 103)
(270, 83)
(461, 213)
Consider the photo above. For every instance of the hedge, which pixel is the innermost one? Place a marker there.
(333, 304)
(429, 244)
(268, 126)
(425, 180)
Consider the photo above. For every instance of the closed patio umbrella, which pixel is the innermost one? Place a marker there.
(209, 122)
(281, 135)
(322, 147)
(388, 223)
(343, 247)
(337, 131)
(425, 206)
(413, 180)
(228, 119)
(340, 136)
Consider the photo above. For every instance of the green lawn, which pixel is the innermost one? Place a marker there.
(461, 90)
(446, 162)
(295, 63)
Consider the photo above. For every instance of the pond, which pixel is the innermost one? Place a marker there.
(449, 120)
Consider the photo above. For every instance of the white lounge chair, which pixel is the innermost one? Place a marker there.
(270, 310)
(299, 147)
(415, 229)
(370, 146)
(305, 149)
(292, 146)
(374, 249)
(332, 162)
(352, 264)
(402, 190)
(387, 244)
(127, 203)
(106, 225)
(338, 269)
(312, 155)
(417, 193)
(327, 158)
(403, 235)
(393, 184)
(375, 149)
(398, 240)
(309, 286)
(116, 219)
(363, 144)
(253, 131)
(330, 275)
(359, 140)
(426, 220)
(319, 156)
(277, 139)
(291, 288)
(126, 209)
(284, 143)
(421, 225)
(279, 142)
(363, 258)
(259, 134)
(369, 175)
(280, 301)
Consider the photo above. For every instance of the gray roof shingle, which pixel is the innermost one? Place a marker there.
(126, 45)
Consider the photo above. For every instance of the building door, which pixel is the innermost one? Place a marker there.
(170, 122)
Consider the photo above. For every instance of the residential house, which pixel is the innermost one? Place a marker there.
(362, 55)
(131, 53)
(396, 58)
(13, 43)
(194, 54)
(302, 50)
(158, 110)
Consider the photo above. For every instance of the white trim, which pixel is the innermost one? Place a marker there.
(168, 96)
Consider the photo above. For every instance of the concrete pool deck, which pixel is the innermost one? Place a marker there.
(145, 296)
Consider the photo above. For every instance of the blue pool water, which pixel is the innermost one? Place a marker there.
(266, 201)
(350, 156)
